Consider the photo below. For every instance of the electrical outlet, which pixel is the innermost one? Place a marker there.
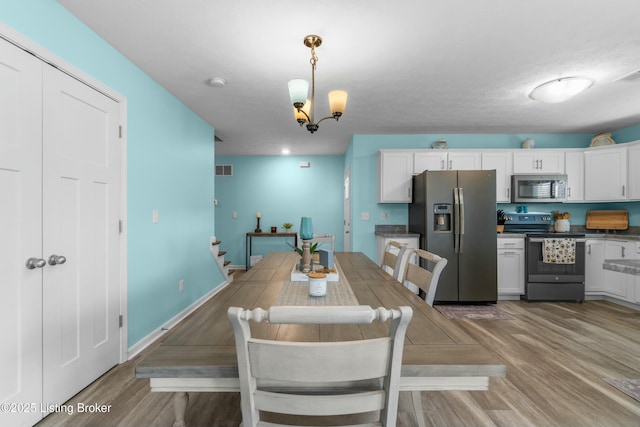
(155, 216)
(385, 216)
(234, 215)
(181, 285)
(364, 216)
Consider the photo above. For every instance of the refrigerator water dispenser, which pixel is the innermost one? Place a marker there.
(442, 217)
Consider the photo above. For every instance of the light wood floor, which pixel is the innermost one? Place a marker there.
(556, 354)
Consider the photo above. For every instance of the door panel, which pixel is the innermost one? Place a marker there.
(81, 197)
(20, 233)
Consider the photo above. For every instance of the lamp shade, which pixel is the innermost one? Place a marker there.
(298, 89)
(560, 90)
(298, 115)
(337, 101)
(306, 228)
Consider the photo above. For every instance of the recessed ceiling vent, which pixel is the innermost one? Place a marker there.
(631, 77)
(224, 170)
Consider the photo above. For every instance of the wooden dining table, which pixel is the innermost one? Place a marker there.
(199, 354)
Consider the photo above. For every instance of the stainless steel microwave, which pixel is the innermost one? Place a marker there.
(538, 188)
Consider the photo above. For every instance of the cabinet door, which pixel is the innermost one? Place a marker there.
(511, 266)
(574, 168)
(594, 273)
(467, 160)
(618, 284)
(502, 162)
(605, 174)
(634, 171)
(429, 161)
(538, 161)
(21, 233)
(395, 169)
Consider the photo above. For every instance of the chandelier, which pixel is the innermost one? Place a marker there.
(303, 108)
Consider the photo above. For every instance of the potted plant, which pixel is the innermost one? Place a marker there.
(287, 227)
(501, 219)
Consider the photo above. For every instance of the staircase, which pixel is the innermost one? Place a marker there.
(218, 256)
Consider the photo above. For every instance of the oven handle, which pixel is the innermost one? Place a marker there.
(540, 240)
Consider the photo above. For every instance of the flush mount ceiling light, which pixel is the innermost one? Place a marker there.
(303, 108)
(560, 90)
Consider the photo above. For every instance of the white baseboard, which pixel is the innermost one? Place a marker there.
(145, 342)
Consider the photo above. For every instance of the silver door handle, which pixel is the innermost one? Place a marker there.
(33, 263)
(57, 259)
(461, 193)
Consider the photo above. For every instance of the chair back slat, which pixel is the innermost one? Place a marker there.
(319, 405)
(319, 362)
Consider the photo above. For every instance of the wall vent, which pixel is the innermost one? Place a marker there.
(224, 170)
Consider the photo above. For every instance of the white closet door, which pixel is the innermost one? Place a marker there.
(81, 204)
(20, 235)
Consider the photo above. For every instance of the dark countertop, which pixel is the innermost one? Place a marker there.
(394, 231)
(627, 266)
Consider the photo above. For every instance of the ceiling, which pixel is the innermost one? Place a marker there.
(410, 66)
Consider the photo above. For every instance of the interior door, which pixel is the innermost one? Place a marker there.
(81, 204)
(20, 235)
(347, 210)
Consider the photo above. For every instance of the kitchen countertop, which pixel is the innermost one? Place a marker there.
(394, 231)
(627, 266)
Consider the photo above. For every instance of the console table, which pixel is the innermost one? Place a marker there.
(251, 235)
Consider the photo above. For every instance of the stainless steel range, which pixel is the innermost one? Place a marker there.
(546, 278)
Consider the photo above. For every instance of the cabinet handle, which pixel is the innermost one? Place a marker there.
(541, 167)
(509, 253)
(442, 164)
(623, 248)
(569, 192)
(508, 192)
(623, 189)
(589, 249)
(450, 164)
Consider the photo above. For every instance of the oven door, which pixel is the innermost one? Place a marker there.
(540, 272)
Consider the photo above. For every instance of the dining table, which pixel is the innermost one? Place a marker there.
(199, 354)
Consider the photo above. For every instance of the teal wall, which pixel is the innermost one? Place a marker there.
(361, 157)
(282, 191)
(170, 168)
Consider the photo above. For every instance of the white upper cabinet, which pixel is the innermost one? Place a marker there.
(574, 168)
(429, 160)
(395, 169)
(446, 160)
(502, 162)
(634, 171)
(605, 173)
(538, 161)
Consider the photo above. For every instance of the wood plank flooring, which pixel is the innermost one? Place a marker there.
(556, 356)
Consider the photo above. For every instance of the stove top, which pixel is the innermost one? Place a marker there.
(539, 224)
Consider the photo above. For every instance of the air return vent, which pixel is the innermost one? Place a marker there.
(224, 170)
(632, 76)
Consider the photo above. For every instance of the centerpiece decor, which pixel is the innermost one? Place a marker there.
(306, 234)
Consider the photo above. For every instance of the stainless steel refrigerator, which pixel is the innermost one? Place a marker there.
(455, 214)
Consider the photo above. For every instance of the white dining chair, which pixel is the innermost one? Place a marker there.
(329, 239)
(392, 259)
(319, 378)
(422, 273)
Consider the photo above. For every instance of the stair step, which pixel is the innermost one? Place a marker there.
(227, 263)
(222, 253)
(217, 242)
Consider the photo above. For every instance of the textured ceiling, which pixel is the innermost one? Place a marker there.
(410, 66)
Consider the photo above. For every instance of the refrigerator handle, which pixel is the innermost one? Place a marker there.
(461, 197)
(456, 221)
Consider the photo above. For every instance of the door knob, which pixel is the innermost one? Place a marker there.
(57, 259)
(35, 263)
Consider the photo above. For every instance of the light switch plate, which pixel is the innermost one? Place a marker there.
(364, 216)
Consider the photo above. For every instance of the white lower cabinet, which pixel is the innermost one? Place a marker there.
(594, 273)
(511, 262)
